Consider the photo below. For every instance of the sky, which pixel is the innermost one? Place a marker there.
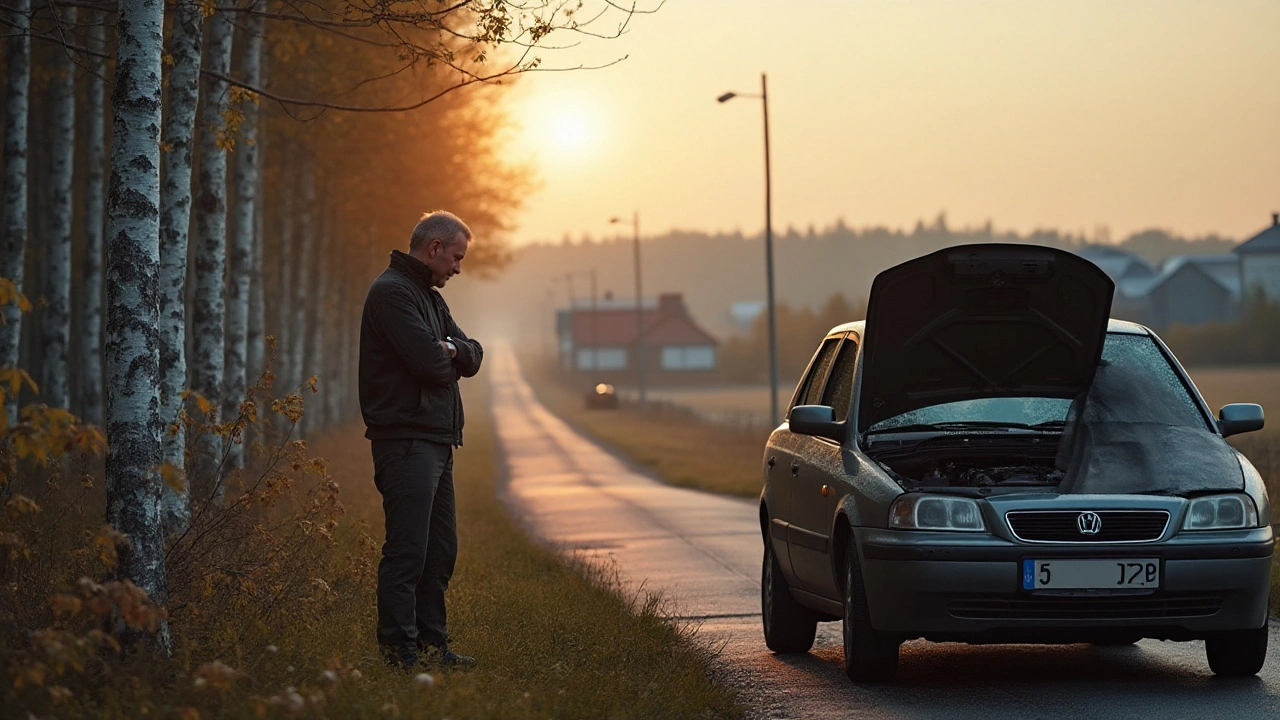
(1102, 117)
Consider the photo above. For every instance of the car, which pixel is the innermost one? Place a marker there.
(989, 457)
(601, 397)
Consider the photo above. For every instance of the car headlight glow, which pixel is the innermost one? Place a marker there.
(1221, 512)
(936, 512)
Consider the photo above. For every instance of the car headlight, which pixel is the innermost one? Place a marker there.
(935, 512)
(1221, 512)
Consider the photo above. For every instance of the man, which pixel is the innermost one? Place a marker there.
(411, 357)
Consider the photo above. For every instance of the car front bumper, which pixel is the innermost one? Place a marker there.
(948, 586)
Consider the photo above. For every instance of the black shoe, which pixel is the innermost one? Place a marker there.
(400, 657)
(445, 657)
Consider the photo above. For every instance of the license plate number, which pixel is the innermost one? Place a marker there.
(1090, 574)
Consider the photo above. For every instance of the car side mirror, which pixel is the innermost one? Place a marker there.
(1239, 418)
(818, 420)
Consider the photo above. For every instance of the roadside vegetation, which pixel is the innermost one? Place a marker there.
(271, 609)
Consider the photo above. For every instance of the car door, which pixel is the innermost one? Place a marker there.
(781, 462)
(815, 490)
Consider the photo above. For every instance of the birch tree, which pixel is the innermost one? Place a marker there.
(240, 249)
(16, 109)
(91, 263)
(57, 313)
(211, 238)
(133, 307)
(175, 215)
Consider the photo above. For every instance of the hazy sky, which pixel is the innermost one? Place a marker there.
(1073, 114)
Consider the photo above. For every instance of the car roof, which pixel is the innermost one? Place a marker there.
(1125, 327)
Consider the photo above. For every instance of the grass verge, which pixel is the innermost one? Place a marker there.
(553, 639)
(670, 441)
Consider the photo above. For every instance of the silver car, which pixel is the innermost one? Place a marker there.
(990, 458)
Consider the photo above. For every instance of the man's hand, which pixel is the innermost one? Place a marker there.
(449, 348)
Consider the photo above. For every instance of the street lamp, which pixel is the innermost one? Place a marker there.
(768, 246)
(640, 356)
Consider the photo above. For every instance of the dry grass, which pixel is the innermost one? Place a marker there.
(553, 640)
(668, 440)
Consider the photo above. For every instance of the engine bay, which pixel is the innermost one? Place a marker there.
(952, 467)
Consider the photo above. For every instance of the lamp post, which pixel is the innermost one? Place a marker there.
(768, 246)
(640, 355)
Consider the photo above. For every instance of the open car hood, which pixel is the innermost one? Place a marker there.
(977, 321)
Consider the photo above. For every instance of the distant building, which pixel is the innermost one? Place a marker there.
(604, 339)
(1260, 261)
(1131, 274)
(1194, 289)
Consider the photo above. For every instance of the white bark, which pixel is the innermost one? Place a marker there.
(257, 356)
(284, 282)
(62, 142)
(297, 330)
(91, 264)
(315, 361)
(133, 302)
(16, 107)
(209, 302)
(240, 247)
(175, 216)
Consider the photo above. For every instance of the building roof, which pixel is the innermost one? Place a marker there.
(1224, 269)
(1119, 265)
(1267, 241)
(666, 323)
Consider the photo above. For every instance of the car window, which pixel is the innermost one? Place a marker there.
(1165, 400)
(839, 390)
(811, 389)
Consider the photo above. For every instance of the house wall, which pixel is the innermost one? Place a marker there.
(1188, 297)
(1261, 270)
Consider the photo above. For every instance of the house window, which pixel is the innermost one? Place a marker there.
(689, 357)
(602, 358)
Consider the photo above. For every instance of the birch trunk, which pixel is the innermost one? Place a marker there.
(133, 303)
(240, 248)
(256, 358)
(175, 217)
(314, 337)
(62, 142)
(301, 272)
(283, 311)
(209, 302)
(91, 264)
(16, 107)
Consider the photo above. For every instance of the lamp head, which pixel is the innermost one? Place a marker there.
(726, 97)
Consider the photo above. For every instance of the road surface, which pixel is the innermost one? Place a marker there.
(703, 553)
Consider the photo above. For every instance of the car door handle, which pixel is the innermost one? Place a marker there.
(795, 467)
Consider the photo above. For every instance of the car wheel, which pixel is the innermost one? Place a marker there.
(788, 626)
(868, 653)
(1237, 654)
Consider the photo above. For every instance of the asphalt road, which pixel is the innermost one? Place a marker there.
(702, 553)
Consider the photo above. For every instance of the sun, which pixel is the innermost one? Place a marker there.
(569, 130)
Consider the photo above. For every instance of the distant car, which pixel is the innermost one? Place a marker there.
(988, 458)
(602, 397)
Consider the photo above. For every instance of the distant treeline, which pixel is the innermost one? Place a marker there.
(713, 271)
(745, 358)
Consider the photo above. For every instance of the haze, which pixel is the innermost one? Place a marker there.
(1086, 116)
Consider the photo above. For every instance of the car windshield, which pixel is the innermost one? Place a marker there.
(1173, 405)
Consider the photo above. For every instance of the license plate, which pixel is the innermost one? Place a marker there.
(1120, 573)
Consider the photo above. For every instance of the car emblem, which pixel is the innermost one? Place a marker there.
(1089, 523)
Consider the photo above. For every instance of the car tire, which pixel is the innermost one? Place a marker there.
(788, 626)
(1237, 654)
(869, 654)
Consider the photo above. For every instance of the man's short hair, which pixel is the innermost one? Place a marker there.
(437, 225)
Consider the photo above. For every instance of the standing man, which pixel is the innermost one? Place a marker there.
(411, 356)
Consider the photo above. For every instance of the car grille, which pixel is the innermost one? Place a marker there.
(1086, 608)
(1062, 525)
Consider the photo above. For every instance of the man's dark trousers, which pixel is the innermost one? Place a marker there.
(415, 478)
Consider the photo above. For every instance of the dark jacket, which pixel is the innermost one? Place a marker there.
(408, 383)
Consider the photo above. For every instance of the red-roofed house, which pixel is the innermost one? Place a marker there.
(605, 340)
